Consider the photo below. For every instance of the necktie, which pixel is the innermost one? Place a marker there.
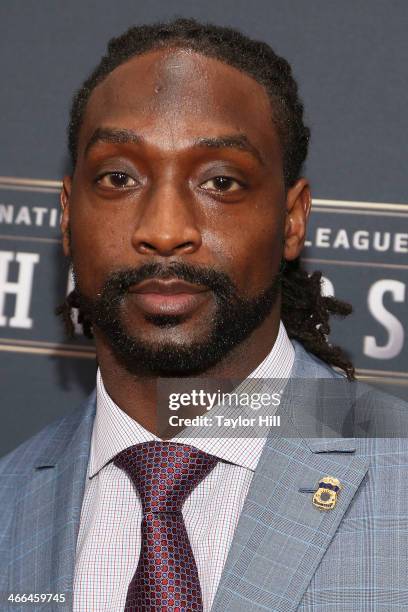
(164, 474)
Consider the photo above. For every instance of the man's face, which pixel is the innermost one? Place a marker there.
(179, 179)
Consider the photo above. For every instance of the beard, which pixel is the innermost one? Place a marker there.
(235, 318)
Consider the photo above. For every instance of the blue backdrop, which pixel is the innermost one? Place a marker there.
(350, 60)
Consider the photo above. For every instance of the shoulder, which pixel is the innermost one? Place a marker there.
(380, 415)
(378, 420)
(22, 459)
(307, 365)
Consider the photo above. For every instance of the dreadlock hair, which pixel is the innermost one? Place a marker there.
(305, 312)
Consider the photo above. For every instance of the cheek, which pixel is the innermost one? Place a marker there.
(264, 260)
(99, 245)
(253, 252)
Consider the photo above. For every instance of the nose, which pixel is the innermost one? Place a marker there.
(167, 223)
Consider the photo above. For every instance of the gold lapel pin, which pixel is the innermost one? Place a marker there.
(325, 497)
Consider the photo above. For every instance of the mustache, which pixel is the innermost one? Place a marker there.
(119, 282)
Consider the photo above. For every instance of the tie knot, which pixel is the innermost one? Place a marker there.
(164, 473)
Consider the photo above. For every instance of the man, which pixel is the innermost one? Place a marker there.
(184, 217)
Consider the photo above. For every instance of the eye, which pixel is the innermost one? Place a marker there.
(222, 183)
(116, 180)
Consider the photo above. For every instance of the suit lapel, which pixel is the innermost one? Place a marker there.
(281, 537)
(47, 511)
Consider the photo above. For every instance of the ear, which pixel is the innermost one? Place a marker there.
(64, 225)
(298, 204)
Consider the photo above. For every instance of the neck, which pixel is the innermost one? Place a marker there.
(137, 395)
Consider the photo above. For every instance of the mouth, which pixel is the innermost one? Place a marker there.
(168, 297)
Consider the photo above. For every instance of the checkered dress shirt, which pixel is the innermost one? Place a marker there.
(109, 538)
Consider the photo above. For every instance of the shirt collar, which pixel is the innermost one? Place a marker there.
(114, 430)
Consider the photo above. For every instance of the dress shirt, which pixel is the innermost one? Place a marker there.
(109, 538)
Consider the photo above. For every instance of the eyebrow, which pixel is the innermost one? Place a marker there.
(231, 141)
(114, 136)
(126, 136)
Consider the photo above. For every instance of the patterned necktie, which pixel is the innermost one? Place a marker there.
(164, 473)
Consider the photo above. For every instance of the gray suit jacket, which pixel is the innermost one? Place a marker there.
(286, 555)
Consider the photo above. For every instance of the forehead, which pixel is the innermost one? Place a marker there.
(183, 94)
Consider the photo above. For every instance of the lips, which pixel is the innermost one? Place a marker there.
(168, 297)
(170, 287)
